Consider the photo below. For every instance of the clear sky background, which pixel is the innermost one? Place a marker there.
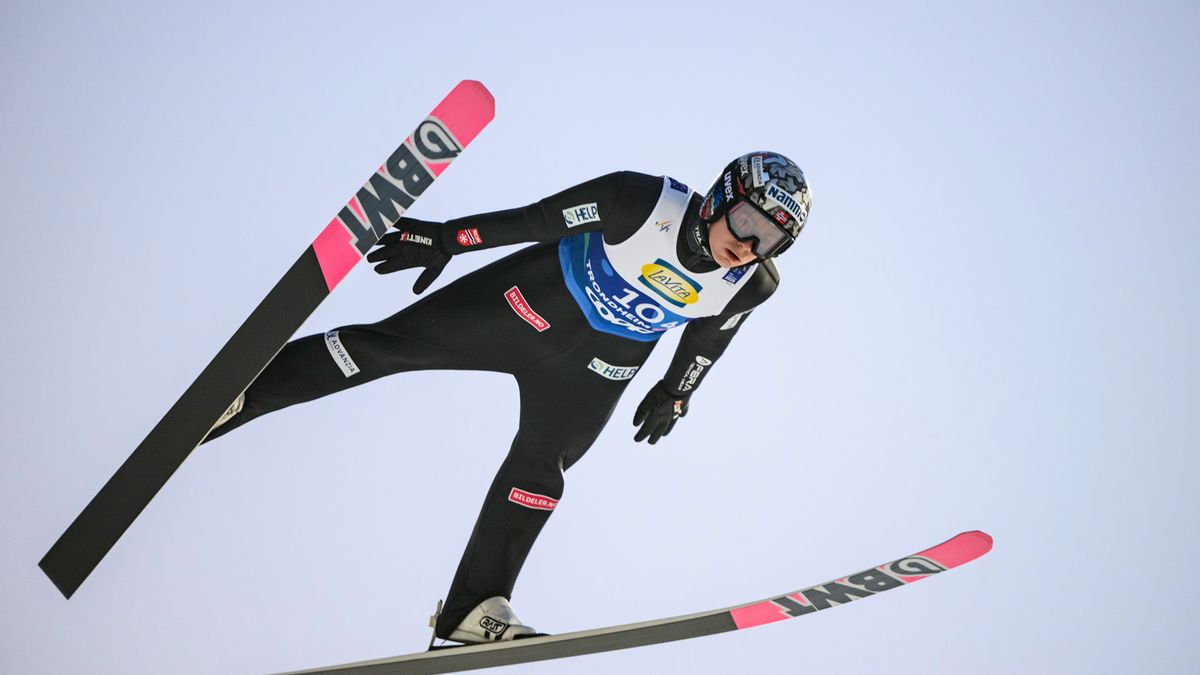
(989, 323)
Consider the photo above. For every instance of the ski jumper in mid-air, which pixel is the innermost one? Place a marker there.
(621, 259)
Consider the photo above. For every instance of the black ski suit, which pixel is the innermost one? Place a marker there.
(537, 334)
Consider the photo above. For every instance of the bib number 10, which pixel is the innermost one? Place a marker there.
(649, 312)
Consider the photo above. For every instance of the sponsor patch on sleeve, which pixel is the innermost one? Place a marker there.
(468, 237)
(676, 185)
(581, 215)
(340, 356)
(532, 500)
(522, 308)
(693, 372)
(733, 321)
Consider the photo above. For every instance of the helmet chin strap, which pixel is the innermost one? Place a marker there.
(693, 248)
(696, 231)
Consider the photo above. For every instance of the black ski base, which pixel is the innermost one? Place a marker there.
(94, 532)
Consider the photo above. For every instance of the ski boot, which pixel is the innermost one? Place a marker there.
(492, 621)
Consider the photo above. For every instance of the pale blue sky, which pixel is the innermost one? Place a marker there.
(989, 323)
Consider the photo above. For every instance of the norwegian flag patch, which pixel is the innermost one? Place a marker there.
(469, 237)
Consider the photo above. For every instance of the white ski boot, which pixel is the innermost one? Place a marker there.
(493, 620)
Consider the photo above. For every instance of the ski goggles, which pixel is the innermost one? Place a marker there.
(749, 224)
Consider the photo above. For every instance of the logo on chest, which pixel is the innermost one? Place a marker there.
(670, 284)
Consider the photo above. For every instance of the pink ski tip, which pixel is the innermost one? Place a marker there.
(466, 110)
(961, 549)
(475, 88)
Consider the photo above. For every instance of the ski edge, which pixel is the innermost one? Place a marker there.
(954, 552)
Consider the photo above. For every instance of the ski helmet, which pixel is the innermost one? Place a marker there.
(765, 199)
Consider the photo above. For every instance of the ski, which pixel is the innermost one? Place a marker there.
(375, 207)
(957, 551)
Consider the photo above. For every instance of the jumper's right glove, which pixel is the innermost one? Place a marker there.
(658, 413)
(414, 243)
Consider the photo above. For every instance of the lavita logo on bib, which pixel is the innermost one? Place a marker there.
(669, 283)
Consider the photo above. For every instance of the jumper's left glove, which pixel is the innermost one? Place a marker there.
(414, 243)
(658, 413)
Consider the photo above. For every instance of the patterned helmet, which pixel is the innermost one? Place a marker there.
(766, 199)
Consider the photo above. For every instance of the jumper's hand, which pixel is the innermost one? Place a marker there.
(414, 243)
(658, 413)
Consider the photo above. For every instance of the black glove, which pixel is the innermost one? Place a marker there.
(414, 243)
(659, 411)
